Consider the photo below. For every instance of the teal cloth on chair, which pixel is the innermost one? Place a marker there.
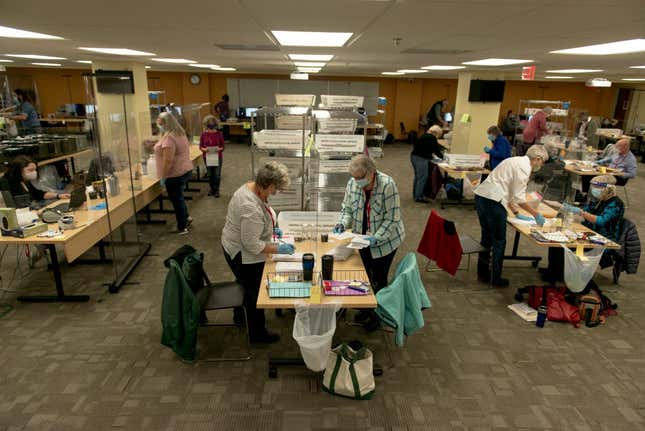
(400, 304)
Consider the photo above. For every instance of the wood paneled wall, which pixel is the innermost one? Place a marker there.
(408, 100)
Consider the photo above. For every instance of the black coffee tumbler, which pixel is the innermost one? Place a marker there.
(328, 267)
(308, 262)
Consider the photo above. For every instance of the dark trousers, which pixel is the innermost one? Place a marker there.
(226, 131)
(420, 166)
(249, 275)
(492, 219)
(214, 176)
(175, 187)
(377, 268)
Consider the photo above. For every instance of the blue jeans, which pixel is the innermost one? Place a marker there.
(420, 166)
(492, 219)
(214, 175)
(175, 187)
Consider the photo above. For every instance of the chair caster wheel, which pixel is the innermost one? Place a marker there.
(273, 372)
(377, 372)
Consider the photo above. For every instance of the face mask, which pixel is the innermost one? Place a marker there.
(210, 126)
(161, 128)
(596, 193)
(30, 176)
(491, 138)
(362, 183)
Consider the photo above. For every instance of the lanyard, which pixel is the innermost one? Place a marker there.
(266, 207)
(368, 205)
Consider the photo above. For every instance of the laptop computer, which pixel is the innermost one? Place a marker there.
(77, 199)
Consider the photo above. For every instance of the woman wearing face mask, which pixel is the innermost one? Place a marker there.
(503, 190)
(22, 171)
(247, 240)
(501, 148)
(603, 213)
(212, 140)
(172, 154)
(371, 207)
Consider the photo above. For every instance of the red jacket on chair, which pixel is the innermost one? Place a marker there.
(440, 242)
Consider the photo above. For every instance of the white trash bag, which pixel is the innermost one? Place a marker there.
(577, 273)
(313, 330)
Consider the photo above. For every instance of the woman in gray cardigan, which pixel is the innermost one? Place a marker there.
(247, 239)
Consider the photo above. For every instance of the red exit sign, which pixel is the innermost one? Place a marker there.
(528, 73)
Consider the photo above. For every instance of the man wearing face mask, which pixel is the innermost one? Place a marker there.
(18, 181)
(371, 207)
(503, 190)
(501, 148)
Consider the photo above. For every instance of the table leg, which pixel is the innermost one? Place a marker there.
(73, 165)
(149, 220)
(58, 279)
(535, 260)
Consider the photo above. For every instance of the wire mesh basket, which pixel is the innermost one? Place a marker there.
(347, 283)
(290, 284)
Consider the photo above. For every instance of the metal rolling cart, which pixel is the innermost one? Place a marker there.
(375, 131)
(282, 134)
(339, 134)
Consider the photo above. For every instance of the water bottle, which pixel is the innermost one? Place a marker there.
(152, 167)
(542, 310)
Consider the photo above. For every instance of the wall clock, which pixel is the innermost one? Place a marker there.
(195, 79)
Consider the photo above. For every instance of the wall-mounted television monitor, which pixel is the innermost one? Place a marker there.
(250, 111)
(486, 91)
(114, 81)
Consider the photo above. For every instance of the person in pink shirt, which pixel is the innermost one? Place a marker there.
(172, 156)
(211, 141)
(534, 130)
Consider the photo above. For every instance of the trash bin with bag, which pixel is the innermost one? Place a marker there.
(313, 330)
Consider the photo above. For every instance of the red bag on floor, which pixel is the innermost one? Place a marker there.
(558, 309)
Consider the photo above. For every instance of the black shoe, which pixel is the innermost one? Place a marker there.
(211, 194)
(216, 194)
(265, 338)
(362, 316)
(483, 278)
(502, 282)
(372, 323)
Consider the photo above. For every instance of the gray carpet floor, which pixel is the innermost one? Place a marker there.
(474, 366)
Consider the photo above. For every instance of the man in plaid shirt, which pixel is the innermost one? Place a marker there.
(371, 207)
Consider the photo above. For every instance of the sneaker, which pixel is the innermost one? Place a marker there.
(502, 282)
(189, 221)
(265, 338)
(183, 232)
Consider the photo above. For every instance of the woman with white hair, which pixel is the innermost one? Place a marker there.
(425, 148)
(371, 207)
(172, 156)
(503, 190)
(247, 240)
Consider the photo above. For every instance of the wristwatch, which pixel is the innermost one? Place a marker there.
(57, 196)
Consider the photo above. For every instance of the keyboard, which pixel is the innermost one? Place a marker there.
(62, 208)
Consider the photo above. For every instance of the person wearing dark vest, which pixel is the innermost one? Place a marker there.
(435, 114)
(425, 148)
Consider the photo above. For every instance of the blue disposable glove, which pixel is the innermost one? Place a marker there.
(339, 228)
(487, 150)
(277, 232)
(162, 181)
(571, 209)
(372, 240)
(524, 217)
(539, 219)
(604, 161)
(284, 248)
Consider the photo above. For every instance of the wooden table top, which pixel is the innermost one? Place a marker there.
(459, 172)
(354, 263)
(578, 171)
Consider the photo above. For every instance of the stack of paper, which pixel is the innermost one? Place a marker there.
(289, 266)
(359, 242)
(296, 257)
(524, 311)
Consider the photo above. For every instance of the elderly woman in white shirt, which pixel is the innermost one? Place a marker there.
(503, 190)
(247, 239)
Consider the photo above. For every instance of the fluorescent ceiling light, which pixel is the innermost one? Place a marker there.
(496, 62)
(2, 60)
(205, 66)
(174, 60)
(412, 71)
(299, 76)
(224, 69)
(637, 67)
(46, 64)
(309, 63)
(392, 73)
(437, 67)
(621, 47)
(117, 51)
(35, 57)
(147, 67)
(575, 71)
(311, 57)
(84, 61)
(311, 38)
(633, 79)
(23, 34)
(558, 77)
(309, 69)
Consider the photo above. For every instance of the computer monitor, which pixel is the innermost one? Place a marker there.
(447, 117)
(250, 111)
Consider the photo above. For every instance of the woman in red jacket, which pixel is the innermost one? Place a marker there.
(211, 143)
